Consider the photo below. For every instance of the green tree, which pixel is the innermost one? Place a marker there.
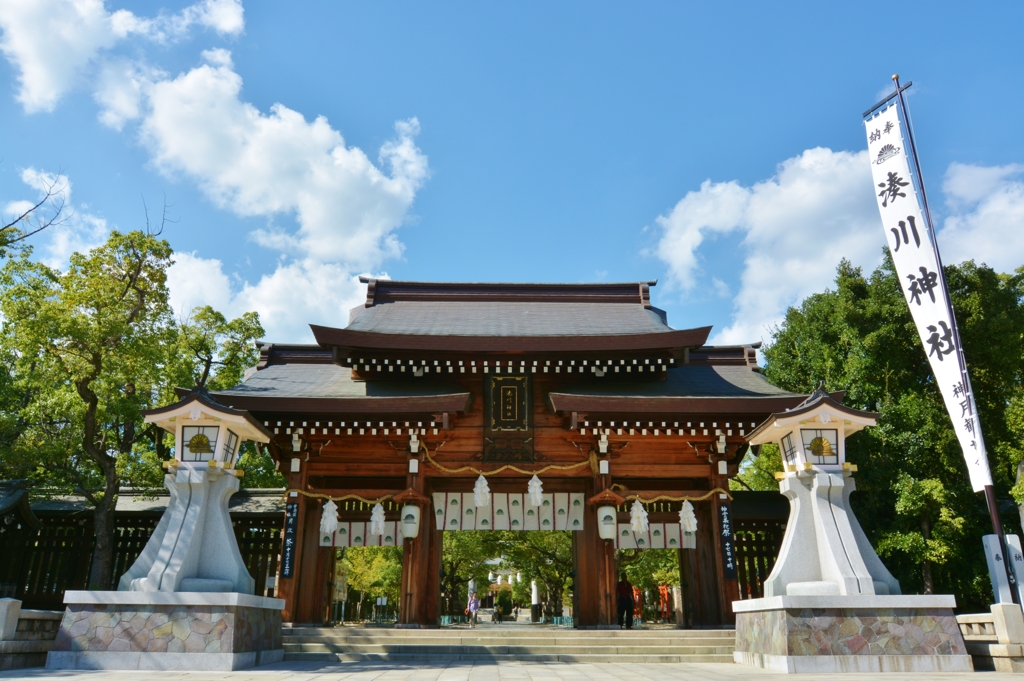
(758, 469)
(373, 572)
(206, 349)
(650, 568)
(87, 352)
(209, 351)
(929, 529)
(860, 338)
(542, 556)
(463, 558)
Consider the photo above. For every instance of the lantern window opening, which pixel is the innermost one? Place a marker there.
(198, 442)
(788, 450)
(230, 446)
(821, 445)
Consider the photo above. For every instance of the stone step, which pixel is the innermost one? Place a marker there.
(591, 658)
(459, 650)
(539, 631)
(507, 641)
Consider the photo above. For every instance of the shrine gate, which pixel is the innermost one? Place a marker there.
(432, 385)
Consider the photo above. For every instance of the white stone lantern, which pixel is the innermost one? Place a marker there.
(193, 547)
(190, 573)
(827, 571)
(825, 551)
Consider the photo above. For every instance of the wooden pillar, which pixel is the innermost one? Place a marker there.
(421, 567)
(705, 569)
(287, 587)
(729, 588)
(307, 592)
(312, 562)
(687, 562)
(594, 563)
(722, 513)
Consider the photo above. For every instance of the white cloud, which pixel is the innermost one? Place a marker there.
(716, 207)
(76, 230)
(52, 43)
(987, 215)
(295, 295)
(257, 164)
(120, 88)
(274, 164)
(796, 226)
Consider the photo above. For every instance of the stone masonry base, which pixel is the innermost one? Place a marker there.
(173, 631)
(791, 664)
(822, 634)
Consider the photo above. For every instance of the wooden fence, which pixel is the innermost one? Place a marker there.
(38, 566)
(758, 543)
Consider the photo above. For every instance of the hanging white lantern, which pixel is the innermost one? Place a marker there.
(377, 519)
(329, 521)
(607, 522)
(535, 488)
(688, 524)
(410, 521)
(481, 493)
(638, 517)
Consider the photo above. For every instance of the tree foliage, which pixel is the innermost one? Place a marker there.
(542, 556)
(914, 500)
(88, 345)
(85, 351)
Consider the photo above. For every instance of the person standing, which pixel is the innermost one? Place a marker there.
(472, 608)
(624, 590)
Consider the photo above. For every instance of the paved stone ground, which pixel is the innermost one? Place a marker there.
(505, 671)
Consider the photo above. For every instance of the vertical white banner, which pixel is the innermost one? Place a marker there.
(914, 255)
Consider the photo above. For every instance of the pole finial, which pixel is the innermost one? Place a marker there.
(895, 76)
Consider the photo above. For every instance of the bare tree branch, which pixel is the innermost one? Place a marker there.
(37, 218)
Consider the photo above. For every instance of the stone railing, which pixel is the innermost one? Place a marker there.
(26, 636)
(995, 639)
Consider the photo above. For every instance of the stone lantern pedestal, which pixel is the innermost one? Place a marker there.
(213, 631)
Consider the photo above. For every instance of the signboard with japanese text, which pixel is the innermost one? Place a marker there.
(291, 526)
(728, 547)
(915, 258)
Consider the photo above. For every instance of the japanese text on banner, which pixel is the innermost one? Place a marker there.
(916, 264)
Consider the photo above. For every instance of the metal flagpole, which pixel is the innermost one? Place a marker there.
(990, 495)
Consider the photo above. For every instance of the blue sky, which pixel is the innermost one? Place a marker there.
(715, 147)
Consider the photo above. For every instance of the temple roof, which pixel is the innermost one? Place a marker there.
(458, 317)
(448, 318)
(328, 388)
(304, 378)
(14, 502)
(693, 389)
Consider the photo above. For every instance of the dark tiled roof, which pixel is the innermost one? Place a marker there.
(691, 381)
(14, 499)
(535, 318)
(323, 388)
(243, 502)
(516, 319)
(380, 291)
(686, 389)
